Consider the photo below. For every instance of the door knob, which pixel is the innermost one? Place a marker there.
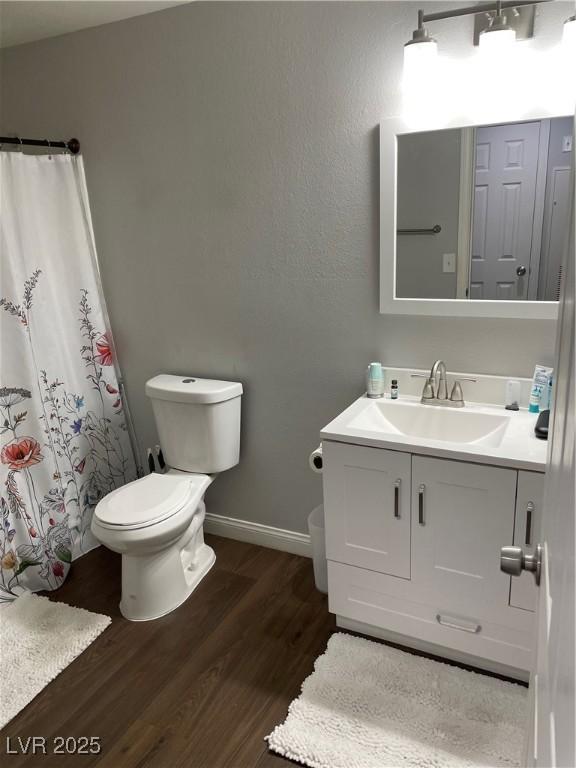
(520, 271)
(513, 560)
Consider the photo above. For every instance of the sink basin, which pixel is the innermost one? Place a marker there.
(478, 432)
(431, 422)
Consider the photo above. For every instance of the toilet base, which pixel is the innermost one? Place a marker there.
(156, 584)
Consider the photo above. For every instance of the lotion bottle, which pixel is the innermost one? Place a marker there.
(375, 380)
(539, 386)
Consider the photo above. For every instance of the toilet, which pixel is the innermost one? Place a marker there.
(156, 522)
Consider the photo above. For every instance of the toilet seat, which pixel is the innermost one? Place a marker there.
(151, 500)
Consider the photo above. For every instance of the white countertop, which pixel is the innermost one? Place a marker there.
(517, 448)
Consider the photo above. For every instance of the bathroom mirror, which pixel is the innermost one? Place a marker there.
(476, 219)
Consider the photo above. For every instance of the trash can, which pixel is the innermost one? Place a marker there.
(318, 542)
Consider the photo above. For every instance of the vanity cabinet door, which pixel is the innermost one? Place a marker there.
(523, 591)
(367, 507)
(462, 514)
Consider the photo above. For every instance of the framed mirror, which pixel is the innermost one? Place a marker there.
(476, 220)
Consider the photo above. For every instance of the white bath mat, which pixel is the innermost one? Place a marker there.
(38, 639)
(367, 705)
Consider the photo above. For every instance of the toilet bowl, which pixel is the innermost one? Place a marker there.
(156, 522)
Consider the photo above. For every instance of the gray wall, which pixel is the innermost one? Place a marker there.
(428, 193)
(232, 162)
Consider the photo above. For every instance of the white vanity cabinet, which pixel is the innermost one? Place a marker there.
(413, 545)
(367, 491)
(462, 514)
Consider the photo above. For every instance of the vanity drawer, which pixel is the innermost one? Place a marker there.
(360, 595)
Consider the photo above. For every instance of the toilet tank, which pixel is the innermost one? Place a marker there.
(198, 421)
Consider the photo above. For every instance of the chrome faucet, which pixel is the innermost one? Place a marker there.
(438, 376)
(435, 390)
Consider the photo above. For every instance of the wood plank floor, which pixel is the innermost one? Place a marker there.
(200, 687)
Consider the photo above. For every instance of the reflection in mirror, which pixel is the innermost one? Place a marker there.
(484, 212)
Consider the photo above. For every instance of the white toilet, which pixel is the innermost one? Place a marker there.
(156, 522)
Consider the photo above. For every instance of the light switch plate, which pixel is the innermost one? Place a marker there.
(448, 262)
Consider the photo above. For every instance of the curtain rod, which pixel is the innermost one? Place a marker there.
(72, 145)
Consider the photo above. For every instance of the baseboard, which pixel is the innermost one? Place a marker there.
(256, 533)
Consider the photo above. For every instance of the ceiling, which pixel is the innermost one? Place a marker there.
(23, 21)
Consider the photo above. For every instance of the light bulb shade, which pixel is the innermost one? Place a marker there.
(494, 40)
(569, 35)
(419, 59)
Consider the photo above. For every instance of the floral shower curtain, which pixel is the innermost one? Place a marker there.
(64, 438)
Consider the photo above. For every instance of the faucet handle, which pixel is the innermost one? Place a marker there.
(456, 395)
(428, 391)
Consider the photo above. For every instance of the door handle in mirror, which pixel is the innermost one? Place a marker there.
(521, 271)
(513, 561)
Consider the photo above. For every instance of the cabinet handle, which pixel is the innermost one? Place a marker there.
(529, 510)
(421, 490)
(397, 485)
(453, 623)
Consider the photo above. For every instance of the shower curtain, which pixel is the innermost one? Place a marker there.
(64, 437)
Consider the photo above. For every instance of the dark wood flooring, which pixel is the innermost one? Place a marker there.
(200, 687)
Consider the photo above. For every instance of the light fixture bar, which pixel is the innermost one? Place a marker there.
(471, 10)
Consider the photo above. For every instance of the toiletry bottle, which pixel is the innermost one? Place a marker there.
(534, 402)
(160, 458)
(394, 389)
(546, 398)
(375, 380)
(539, 387)
(512, 395)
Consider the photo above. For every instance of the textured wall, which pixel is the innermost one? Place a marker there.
(232, 161)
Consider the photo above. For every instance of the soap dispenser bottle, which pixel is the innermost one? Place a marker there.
(375, 380)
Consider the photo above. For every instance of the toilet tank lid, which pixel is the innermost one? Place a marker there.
(191, 389)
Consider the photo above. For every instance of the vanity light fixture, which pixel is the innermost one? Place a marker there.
(498, 35)
(421, 50)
